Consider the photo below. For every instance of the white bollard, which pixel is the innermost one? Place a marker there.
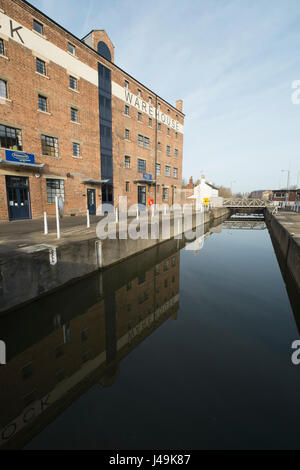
(57, 218)
(137, 213)
(45, 224)
(88, 222)
(152, 210)
(117, 216)
(165, 209)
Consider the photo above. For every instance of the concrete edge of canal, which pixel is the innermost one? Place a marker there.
(287, 243)
(25, 276)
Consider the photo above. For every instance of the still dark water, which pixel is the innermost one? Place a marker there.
(172, 350)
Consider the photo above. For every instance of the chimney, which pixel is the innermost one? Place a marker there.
(179, 105)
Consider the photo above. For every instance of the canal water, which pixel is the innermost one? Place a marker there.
(173, 349)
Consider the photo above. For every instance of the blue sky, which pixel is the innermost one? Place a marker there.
(231, 61)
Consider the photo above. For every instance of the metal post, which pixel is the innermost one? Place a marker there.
(88, 223)
(57, 217)
(45, 224)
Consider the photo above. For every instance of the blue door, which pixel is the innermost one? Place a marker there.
(91, 200)
(18, 198)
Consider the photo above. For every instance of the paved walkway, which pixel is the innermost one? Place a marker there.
(20, 234)
(291, 221)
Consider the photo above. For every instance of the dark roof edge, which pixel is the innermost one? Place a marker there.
(102, 57)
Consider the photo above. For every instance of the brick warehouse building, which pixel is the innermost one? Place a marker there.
(73, 124)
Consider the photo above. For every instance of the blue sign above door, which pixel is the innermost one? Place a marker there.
(20, 157)
(147, 176)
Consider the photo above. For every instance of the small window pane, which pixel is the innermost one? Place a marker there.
(38, 27)
(71, 48)
(49, 146)
(76, 150)
(3, 89)
(127, 162)
(167, 170)
(1, 47)
(141, 165)
(74, 115)
(42, 103)
(126, 109)
(73, 83)
(40, 66)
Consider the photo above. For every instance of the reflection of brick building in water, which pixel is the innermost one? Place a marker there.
(67, 357)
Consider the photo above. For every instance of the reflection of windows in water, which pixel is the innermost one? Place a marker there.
(157, 270)
(59, 351)
(128, 287)
(166, 265)
(173, 278)
(84, 335)
(143, 297)
(60, 375)
(67, 333)
(128, 308)
(29, 398)
(27, 371)
(173, 260)
(142, 278)
(85, 356)
(166, 283)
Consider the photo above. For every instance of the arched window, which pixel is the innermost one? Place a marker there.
(104, 50)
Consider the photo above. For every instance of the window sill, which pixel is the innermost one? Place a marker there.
(75, 122)
(127, 140)
(51, 156)
(77, 158)
(39, 34)
(5, 100)
(42, 75)
(44, 112)
(3, 57)
(127, 115)
(73, 89)
(73, 55)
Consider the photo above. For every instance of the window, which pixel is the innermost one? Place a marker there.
(126, 84)
(158, 105)
(27, 371)
(175, 173)
(1, 47)
(127, 187)
(140, 140)
(71, 48)
(141, 165)
(168, 150)
(139, 93)
(159, 126)
(176, 135)
(38, 27)
(176, 117)
(127, 134)
(150, 122)
(168, 131)
(55, 188)
(167, 170)
(74, 115)
(127, 161)
(49, 146)
(146, 142)
(176, 152)
(42, 103)
(150, 100)
(158, 146)
(40, 66)
(126, 111)
(168, 111)
(10, 138)
(157, 169)
(3, 89)
(139, 116)
(84, 335)
(73, 83)
(165, 194)
(76, 149)
(105, 131)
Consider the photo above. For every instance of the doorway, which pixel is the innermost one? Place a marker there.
(142, 195)
(18, 198)
(91, 201)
